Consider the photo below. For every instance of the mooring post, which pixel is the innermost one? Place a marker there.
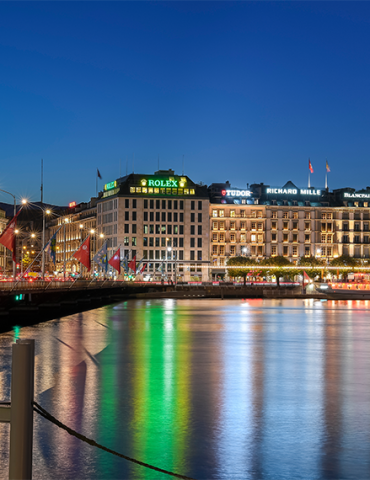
(21, 423)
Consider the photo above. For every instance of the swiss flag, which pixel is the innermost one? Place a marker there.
(7, 238)
(132, 264)
(310, 168)
(83, 253)
(115, 261)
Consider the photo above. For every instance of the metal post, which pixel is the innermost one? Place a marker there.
(21, 425)
(43, 244)
(64, 253)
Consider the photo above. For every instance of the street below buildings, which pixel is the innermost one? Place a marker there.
(207, 388)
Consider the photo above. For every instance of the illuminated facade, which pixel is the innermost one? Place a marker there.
(263, 221)
(73, 225)
(3, 252)
(162, 219)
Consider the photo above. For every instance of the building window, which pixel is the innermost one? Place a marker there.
(232, 213)
(214, 213)
(199, 229)
(192, 229)
(126, 241)
(253, 226)
(126, 228)
(295, 225)
(192, 242)
(192, 217)
(133, 241)
(242, 225)
(222, 225)
(199, 218)
(192, 255)
(285, 237)
(285, 251)
(295, 251)
(274, 251)
(273, 225)
(242, 238)
(253, 238)
(232, 225)
(199, 254)
(274, 214)
(127, 216)
(214, 250)
(133, 228)
(192, 205)
(232, 237)
(127, 203)
(214, 237)
(285, 215)
(221, 213)
(200, 205)
(222, 249)
(285, 225)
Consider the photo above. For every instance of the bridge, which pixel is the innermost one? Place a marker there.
(26, 303)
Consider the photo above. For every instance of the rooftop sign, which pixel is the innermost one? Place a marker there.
(236, 193)
(109, 186)
(357, 195)
(293, 191)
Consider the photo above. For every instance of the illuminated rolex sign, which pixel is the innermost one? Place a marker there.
(170, 183)
(109, 186)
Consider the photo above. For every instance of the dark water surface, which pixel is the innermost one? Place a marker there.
(231, 389)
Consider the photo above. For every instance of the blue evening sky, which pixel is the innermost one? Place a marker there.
(246, 91)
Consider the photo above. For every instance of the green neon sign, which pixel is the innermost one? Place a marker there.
(109, 186)
(170, 183)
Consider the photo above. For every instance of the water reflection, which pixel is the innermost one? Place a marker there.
(212, 389)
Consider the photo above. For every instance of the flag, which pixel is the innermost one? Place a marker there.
(143, 268)
(98, 174)
(138, 266)
(310, 166)
(101, 257)
(51, 247)
(83, 253)
(327, 166)
(132, 264)
(7, 238)
(124, 264)
(306, 278)
(115, 261)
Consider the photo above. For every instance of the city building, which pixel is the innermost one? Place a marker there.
(3, 251)
(263, 221)
(161, 219)
(72, 225)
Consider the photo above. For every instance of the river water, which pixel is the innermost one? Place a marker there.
(212, 389)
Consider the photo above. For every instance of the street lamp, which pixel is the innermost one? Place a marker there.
(169, 249)
(245, 250)
(44, 213)
(15, 213)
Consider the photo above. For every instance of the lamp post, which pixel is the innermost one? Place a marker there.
(44, 213)
(15, 212)
(169, 249)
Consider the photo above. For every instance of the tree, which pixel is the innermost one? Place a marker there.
(343, 261)
(238, 262)
(308, 264)
(277, 264)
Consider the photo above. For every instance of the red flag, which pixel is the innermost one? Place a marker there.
(310, 166)
(306, 278)
(132, 264)
(115, 261)
(327, 166)
(83, 253)
(143, 268)
(7, 238)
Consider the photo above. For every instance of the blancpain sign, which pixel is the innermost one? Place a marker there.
(293, 191)
(356, 195)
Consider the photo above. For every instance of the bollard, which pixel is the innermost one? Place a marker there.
(21, 424)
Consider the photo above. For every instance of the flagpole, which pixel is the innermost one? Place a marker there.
(309, 183)
(326, 180)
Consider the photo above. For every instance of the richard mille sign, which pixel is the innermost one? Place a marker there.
(293, 191)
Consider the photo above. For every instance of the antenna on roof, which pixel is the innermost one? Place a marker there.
(42, 180)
